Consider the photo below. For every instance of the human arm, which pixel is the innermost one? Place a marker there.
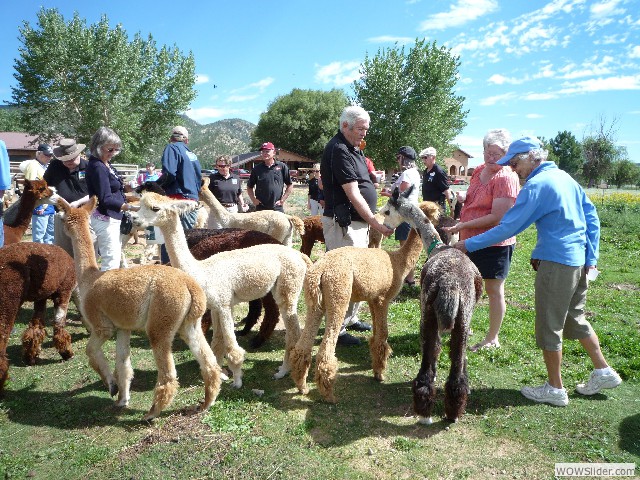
(355, 197)
(499, 207)
(593, 233)
(285, 195)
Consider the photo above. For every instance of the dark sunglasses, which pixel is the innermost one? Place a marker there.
(223, 166)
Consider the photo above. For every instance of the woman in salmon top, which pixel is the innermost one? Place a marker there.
(492, 191)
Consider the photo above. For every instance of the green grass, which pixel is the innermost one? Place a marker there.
(57, 417)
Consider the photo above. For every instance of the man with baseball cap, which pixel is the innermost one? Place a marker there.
(567, 249)
(266, 185)
(42, 221)
(181, 177)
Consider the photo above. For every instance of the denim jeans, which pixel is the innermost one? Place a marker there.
(42, 228)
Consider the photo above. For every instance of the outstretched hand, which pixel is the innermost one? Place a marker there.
(460, 246)
(453, 229)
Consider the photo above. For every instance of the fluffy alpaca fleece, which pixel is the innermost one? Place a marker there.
(17, 218)
(280, 226)
(232, 277)
(313, 233)
(343, 275)
(204, 243)
(160, 300)
(450, 287)
(34, 272)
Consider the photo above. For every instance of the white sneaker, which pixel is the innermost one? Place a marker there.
(598, 382)
(543, 394)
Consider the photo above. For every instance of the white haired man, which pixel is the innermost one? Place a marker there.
(347, 186)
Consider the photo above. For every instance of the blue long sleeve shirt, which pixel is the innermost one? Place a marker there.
(5, 176)
(566, 220)
(182, 170)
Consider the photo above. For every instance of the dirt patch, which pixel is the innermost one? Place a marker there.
(625, 286)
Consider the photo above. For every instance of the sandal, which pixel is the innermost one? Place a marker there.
(485, 346)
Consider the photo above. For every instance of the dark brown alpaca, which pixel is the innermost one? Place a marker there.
(34, 272)
(450, 287)
(312, 233)
(17, 218)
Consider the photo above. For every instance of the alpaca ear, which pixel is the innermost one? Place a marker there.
(408, 191)
(63, 205)
(395, 194)
(205, 183)
(90, 206)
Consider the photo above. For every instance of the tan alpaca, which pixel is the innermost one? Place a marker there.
(232, 277)
(351, 274)
(280, 226)
(159, 300)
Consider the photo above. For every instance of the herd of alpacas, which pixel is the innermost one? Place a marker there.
(250, 260)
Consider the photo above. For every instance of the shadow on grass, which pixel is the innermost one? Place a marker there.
(630, 434)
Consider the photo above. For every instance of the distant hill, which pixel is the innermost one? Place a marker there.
(231, 136)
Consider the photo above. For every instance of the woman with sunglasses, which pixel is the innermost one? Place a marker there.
(227, 188)
(315, 192)
(105, 183)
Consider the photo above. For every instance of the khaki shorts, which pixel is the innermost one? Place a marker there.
(561, 295)
(355, 235)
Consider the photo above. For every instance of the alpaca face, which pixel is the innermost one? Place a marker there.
(398, 209)
(160, 211)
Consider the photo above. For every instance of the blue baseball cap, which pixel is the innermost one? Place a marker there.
(522, 145)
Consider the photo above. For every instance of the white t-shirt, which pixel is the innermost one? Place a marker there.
(412, 177)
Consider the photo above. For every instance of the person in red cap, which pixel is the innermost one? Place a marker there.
(266, 185)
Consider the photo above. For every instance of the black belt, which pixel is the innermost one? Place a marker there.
(229, 204)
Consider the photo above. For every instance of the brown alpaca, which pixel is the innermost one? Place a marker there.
(204, 243)
(34, 272)
(450, 287)
(343, 275)
(279, 225)
(232, 277)
(17, 218)
(158, 299)
(313, 233)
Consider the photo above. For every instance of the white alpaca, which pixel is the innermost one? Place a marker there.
(229, 278)
(280, 226)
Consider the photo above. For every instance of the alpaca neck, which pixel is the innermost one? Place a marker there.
(420, 222)
(176, 244)
(407, 255)
(83, 252)
(221, 213)
(23, 211)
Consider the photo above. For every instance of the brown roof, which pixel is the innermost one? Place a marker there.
(19, 141)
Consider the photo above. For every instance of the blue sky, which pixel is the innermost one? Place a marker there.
(534, 67)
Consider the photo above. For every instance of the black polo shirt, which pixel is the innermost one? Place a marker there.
(342, 163)
(434, 183)
(314, 189)
(70, 185)
(269, 182)
(226, 190)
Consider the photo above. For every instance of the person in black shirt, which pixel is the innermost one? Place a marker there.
(435, 184)
(346, 181)
(268, 180)
(315, 193)
(227, 188)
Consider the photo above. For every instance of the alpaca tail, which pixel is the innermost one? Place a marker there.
(297, 224)
(446, 304)
(313, 285)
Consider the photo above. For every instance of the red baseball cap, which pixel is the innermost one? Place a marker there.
(267, 146)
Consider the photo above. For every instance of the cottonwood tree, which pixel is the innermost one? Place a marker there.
(73, 78)
(623, 172)
(410, 97)
(600, 151)
(568, 151)
(302, 121)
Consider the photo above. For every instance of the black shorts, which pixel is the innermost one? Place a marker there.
(493, 262)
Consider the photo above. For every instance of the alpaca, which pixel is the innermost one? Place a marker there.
(34, 272)
(280, 226)
(232, 277)
(450, 287)
(17, 218)
(343, 275)
(204, 243)
(158, 299)
(313, 233)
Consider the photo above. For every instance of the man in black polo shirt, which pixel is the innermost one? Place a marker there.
(227, 188)
(435, 184)
(266, 183)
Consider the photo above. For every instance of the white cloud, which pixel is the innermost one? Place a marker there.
(206, 113)
(464, 11)
(391, 39)
(498, 79)
(338, 73)
(625, 82)
(540, 96)
(488, 101)
(607, 8)
(590, 68)
(534, 115)
(260, 85)
(634, 52)
(201, 78)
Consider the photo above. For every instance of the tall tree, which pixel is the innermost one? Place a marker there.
(623, 172)
(411, 100)
(566, 147)
(73, 78)
(302, 121)
(600, 151)
(10, 120)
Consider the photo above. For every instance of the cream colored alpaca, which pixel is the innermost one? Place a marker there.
(280, 226)
(343, 275)
(160, 300)
(232, 277)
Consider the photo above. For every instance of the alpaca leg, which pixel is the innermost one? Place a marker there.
(326, 361)
(253, 315)
(209, 368)
(35, 333)
(300, 356)
(457, 385)
(291, 336)
(205, 323)
(123, 372)
(424, 391)
(234, 353)
(97, 360)
(167, 384)
(7, 319)
(269, 322)
(378, 346)
(61, 338)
